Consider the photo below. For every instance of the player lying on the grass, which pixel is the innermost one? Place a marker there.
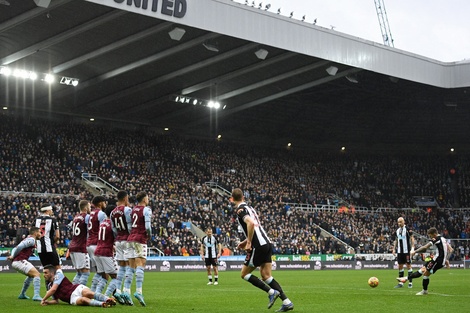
(60, 287)
(438, 260)
(19, 258)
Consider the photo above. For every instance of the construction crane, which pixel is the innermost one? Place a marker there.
(383, 21)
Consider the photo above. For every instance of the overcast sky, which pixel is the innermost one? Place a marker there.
(438, 29)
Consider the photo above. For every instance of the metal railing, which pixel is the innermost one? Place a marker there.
(97, 183)
(4, 193)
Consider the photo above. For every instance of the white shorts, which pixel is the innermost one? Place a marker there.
(23, 266)
(91, 255)
(76, 294)
(122, 250)
(137, 250)
(80, 260)
(106, 264)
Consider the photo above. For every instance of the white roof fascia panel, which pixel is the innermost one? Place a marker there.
(252, 24)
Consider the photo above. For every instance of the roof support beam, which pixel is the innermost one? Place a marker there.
(60, 37)
(113, 46)
(173, 74)
(281, 94)
(271, 80)
(293, 90)
(26, 16)
(237, 73)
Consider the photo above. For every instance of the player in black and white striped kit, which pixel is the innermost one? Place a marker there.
(403, 246)
(258, 252)
(46, 246)
(438, 260)
(210, 253)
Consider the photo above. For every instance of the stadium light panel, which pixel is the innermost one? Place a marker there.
(48, 78)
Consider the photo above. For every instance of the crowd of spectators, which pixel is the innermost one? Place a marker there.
(42, 163)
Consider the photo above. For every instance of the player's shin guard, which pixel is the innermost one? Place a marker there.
(275, 285)
(139, 279)
(94, 282)
(425, 282)
(255, 281)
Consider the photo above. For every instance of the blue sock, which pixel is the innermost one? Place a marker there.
(76, 279)
(139, 279)
(84, 278)
(129, 277)
(95, 281)
(111, 287)
(37, 286)
(96, 303)
(100, 297)
(101, 285)
(120, 277)
(26, 284)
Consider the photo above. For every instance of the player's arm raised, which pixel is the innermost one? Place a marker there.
(422, 249)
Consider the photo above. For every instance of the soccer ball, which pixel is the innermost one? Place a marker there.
(373, 282)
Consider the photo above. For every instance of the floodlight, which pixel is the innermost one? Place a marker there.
(5, 71)
(48, 78)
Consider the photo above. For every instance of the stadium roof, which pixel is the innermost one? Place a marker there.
(279, 80)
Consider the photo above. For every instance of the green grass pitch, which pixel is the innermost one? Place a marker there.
(311, 291)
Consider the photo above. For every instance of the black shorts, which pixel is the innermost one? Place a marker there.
(258, 256)
(403, 258)
(210, 261)
(432, 266)
(51, 258)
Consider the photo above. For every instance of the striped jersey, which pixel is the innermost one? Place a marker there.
(48, 226)
(403, 237)
(211, 246)
(259, 236)
(440, 244)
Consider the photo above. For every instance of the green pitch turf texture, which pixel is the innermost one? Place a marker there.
(311, 291)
